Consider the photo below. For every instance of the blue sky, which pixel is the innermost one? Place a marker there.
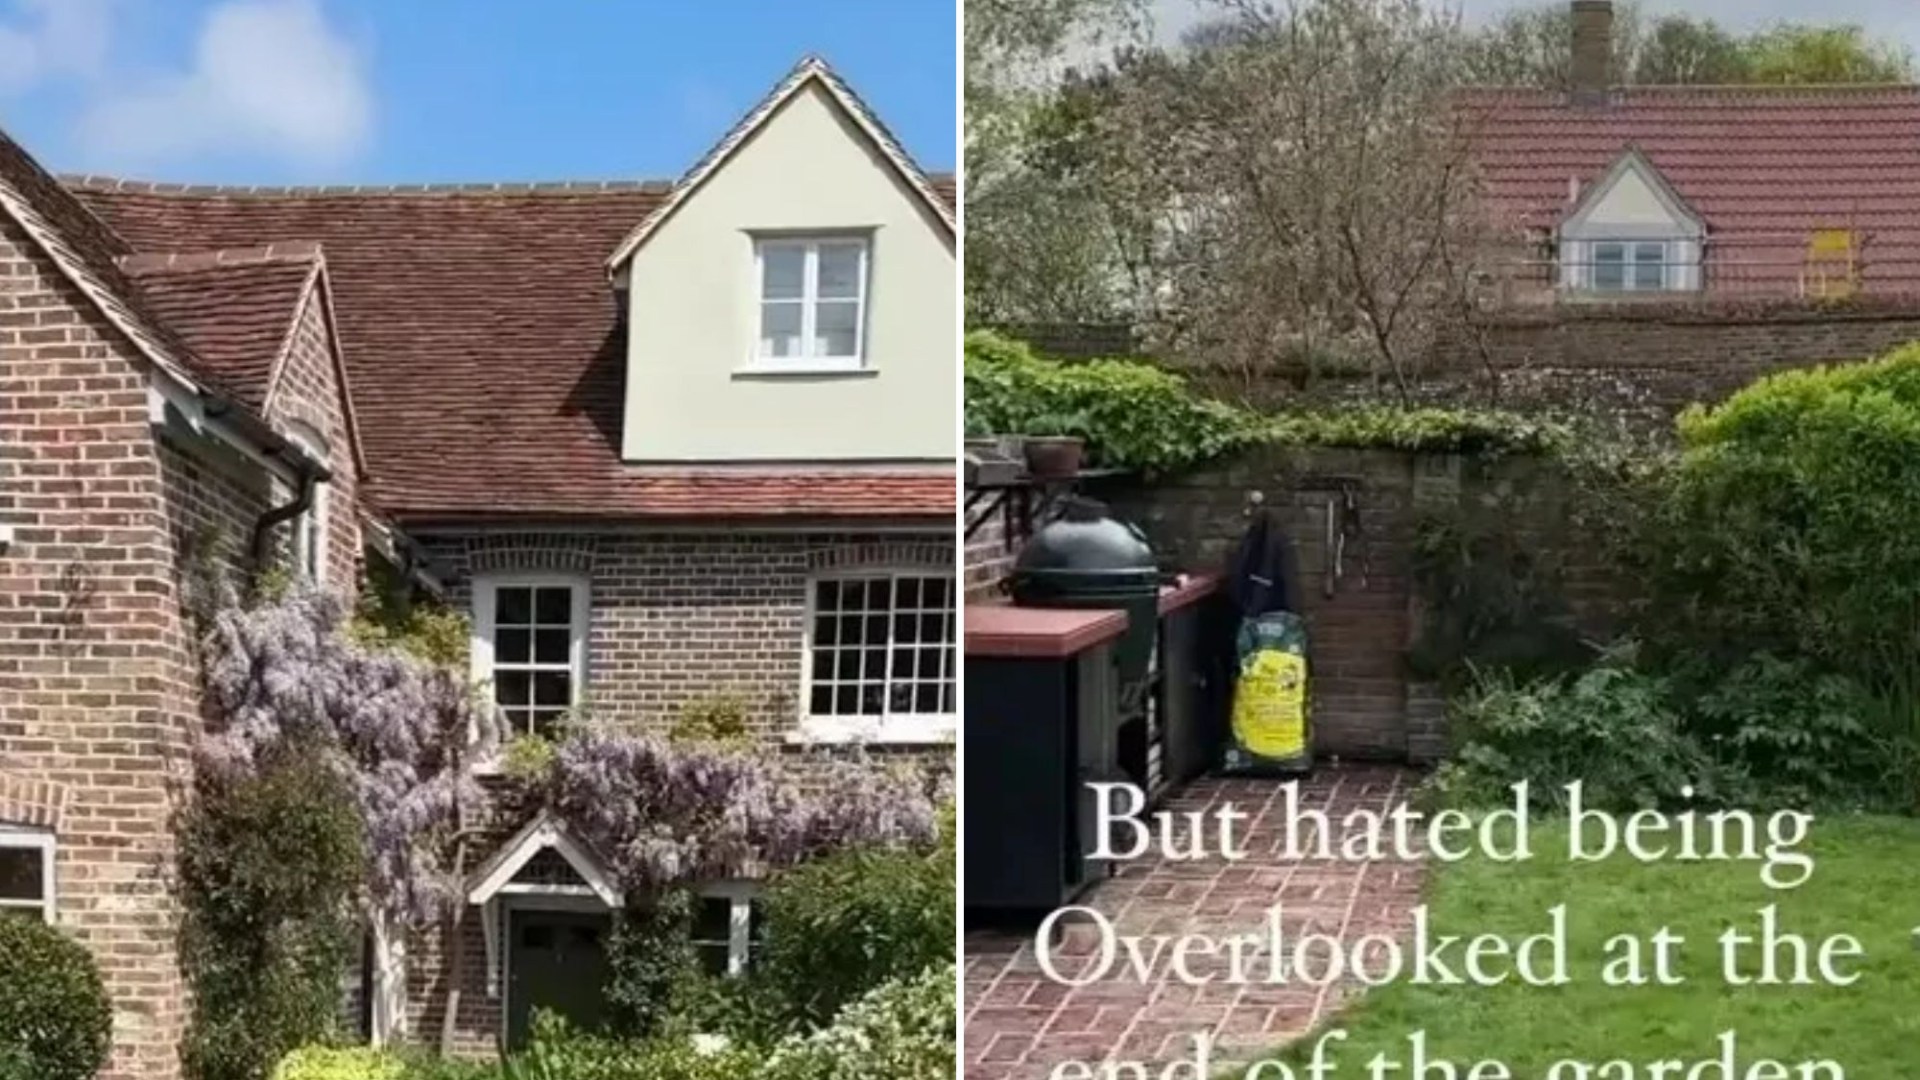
(410, 91)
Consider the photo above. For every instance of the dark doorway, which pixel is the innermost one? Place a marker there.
(557, 963)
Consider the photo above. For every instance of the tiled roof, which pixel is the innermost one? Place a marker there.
(235, 310)
(88, 251)
(1764, 166)
(482, 345)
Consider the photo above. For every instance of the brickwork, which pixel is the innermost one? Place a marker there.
(91, 660)
(308, 392)
(1642, 361)
(988, 558)
(1361, 605)
(679, 617)
(117, 528)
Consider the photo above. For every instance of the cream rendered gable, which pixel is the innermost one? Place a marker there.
(693, 312)
(1632, 202)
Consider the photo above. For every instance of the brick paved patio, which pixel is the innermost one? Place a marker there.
(1020, 1024)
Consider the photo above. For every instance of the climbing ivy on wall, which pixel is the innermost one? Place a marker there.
(1137, 415)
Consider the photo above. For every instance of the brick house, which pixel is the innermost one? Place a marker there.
(664, 440)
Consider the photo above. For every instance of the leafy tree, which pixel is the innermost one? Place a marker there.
(1680, 50)
(1035, 248)
(1798, 53)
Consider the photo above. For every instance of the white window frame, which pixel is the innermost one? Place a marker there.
(21, 838)
(893, 728)
(1630, 252)
(485, 602)
(741, 896)
(809, 302)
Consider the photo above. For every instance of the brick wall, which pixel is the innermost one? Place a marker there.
(1362, 622)
(308, 393)
(92, 660)
(1640, 360)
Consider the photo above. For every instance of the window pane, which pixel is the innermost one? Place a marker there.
(850, 630)
(513, 606)
(822, 703)
(554, 607)
(839, 272)
(512, 646)
(552, 688)
(1649, 266)
(545, 721)
(552, 646)
(783, 272)
(713, 958)
(826, 594)
(714, 919)
(780, 330)
(1609, 266)
(834, 328)
(510, 687)
(20, 874)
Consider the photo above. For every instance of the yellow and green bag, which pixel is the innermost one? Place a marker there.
(1269, 733)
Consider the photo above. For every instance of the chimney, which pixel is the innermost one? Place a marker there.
(1592, 51)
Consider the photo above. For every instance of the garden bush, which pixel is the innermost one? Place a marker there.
(1612, 727)
(1137, 415)
(844, 924)
(1132, 414)
(339, 1063)
(1790, 525)
(269, 866)
(55, 1020)
(902, 1030)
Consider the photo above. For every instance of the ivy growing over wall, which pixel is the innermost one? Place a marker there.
(1136, 415)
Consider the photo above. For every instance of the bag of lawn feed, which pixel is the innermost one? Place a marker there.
(1268, 734)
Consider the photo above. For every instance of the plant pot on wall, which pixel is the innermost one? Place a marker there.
(1054, 457)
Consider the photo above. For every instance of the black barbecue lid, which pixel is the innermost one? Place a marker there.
(1087, 537)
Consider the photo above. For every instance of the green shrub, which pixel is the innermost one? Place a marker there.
(268, 869)
(1133, 415)
(903, 1030)
(339, 1063)
(1136, 415)
(1802, 736)
(55, 1020)
(839, 926)
(1790, 524)
(1611, 727)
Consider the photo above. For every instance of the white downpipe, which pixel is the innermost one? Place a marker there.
(389, 1006)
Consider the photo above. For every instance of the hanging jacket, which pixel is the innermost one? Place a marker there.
(1262, 576)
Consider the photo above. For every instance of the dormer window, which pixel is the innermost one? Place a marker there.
(1630, 233)
(1629, 266)
(813, 300)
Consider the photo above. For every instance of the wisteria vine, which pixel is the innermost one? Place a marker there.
(665, 813)
(404, 734)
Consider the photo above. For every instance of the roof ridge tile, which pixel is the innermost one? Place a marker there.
(126, 186)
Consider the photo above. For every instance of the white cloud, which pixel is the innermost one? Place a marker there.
(267, 78)
(51, 39)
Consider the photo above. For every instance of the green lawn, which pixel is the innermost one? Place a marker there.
(1867, 884)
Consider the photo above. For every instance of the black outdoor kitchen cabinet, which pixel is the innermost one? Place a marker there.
(1037, 730)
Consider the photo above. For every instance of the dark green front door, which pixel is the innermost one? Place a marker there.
(558, 963)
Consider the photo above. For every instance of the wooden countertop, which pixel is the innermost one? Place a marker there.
(1001, 629)
(1191, 589)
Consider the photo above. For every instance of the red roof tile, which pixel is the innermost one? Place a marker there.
(1763, 166)
(234, 315)
(487, 364)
